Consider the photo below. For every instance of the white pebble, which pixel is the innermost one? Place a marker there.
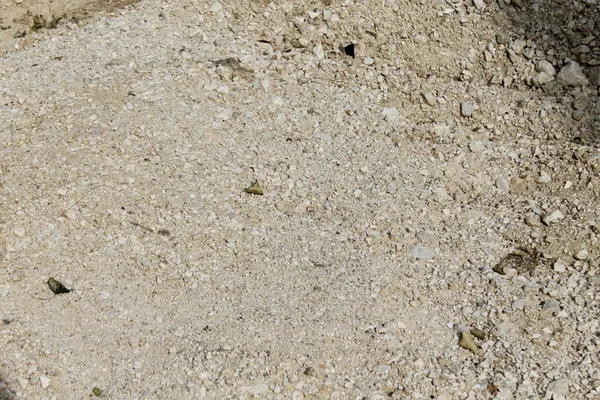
(44, 381)
(582, 255)
(552, 217)
(559, 267)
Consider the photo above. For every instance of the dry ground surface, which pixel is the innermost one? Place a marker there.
(430, 219)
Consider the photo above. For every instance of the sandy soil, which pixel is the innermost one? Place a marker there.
(428, 226)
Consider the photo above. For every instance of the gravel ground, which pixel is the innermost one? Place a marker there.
(428, 227)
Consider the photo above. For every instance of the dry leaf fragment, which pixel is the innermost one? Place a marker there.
(478, 333)
(468, 342)
(57, 287)
(492, 389)
(254, 189)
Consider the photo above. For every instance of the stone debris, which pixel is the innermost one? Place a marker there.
(422, 252)
(418, 179)
(572, 75)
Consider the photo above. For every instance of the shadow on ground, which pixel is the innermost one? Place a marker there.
(6, 393)
(19, 19)
(559, 31)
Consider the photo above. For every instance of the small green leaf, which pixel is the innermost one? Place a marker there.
(97, 391)
(254, 189)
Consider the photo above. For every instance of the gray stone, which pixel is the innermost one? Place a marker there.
(422, 252)
(513, 56)
(518, 304)
(558, 387)
(545, 67)
(559, 267)
(391, 115)
(581, 49)
(518, 46)
(572, 75)
(319, 52)
(581, 103)
(466, 109)
(551, 306)
(427, 238)
(429, 98)
(477, 146)
(529, 53)
(552, 217)
(479, 4)
(578, 115)
(581, 255)
(502, 38)
(369, 61)
(502, 184)
(255, 389)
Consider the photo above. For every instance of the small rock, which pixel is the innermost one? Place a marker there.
(559, 267)
(502, 38)
(541, 78)
(518, 304)
(496, 79)
(19, 231)
(44, 381)
(23, 382)
(427, 238)
(477, 146)
(323, 136)
(572, 75)
(255, 389)
(581, 49)
(544, 177)
(421, 39)
(545, 67)
(581, 255)
(319, 52)
(578, 115)
(529, 53)
(368, 61)
(513, 56)
(391, 115)
(430, 98)
(297, 395)
(506, 329)
(479, 4)
(421, 252)
(581, 103)
(532, 220)
(466, 109)
(551, 306)
(558, 387)
(502, 184)
(552, 217)
(225, 114)
(467, 341)
(215, 7)
(518, 46)
(518, 3)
